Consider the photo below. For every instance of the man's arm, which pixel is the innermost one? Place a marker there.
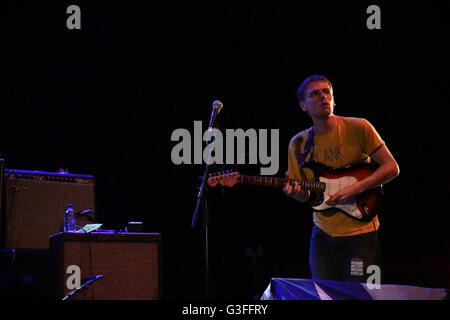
(388, 169)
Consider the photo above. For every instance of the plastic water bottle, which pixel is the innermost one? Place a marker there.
(69, 219)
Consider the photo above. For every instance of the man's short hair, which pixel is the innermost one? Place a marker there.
(314, 78)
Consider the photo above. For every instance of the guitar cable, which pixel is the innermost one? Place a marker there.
(377, 248)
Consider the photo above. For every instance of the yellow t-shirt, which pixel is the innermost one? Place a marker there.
(351, 141)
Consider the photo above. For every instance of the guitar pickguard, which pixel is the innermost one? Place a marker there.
(331, 187)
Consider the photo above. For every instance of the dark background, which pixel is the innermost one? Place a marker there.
(105, 99)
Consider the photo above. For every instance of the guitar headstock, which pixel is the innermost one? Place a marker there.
(227, 179)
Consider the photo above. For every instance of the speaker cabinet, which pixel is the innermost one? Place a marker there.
(34, 203)
(130, 264)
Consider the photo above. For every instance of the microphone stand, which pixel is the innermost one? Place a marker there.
(3, 220)
(202, 204)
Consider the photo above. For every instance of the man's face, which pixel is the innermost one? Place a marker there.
(319, 100)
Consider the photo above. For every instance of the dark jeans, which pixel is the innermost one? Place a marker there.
(343, 258)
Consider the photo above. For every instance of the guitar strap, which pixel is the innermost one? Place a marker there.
(312, 199)
(308, 143)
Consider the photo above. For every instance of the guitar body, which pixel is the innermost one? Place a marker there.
(363, 207)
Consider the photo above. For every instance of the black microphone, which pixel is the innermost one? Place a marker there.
(217, 106)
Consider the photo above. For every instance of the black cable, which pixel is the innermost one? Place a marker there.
(90, 256)
(86, 213)
(377, 251)
(86, 284)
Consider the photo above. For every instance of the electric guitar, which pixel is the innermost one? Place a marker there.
(326, 182)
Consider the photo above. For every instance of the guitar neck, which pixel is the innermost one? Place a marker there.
(311, 185)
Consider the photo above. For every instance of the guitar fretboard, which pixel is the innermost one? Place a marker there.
(315, 186)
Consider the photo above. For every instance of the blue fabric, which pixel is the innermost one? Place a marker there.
(293, 289)
(305, 289)
(344, 290)
(308, 289)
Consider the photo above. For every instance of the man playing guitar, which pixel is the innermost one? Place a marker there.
(341, 247)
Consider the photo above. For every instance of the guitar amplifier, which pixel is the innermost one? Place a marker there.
(106, 265)
(34, 203)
